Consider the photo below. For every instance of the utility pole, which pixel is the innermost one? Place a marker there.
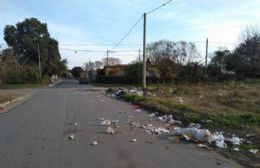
(39, 60)
(144, 53)
(107, 56)
(206, 59)
(139, 55)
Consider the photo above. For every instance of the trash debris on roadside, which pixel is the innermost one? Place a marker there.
(236, 149)
(152, 115)
(118, 93)
(254, 151)
(106, 122)
(101, 118)
(133, 140)
(165, 118)
(180, 100)
(203, 146)
(71, 137)
(202, 135)
(250, 135)
(115, 121)
(234, 140)
(219, 140)
(138, 110)
(195, 125)
(174, 122)
(110, 130)
(160, 130)
(95, 143)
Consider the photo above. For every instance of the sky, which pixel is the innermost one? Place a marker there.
(99, 24)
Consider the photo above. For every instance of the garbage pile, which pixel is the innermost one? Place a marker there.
(118, 93)
(194, 133)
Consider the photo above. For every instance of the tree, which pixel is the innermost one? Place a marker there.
(220, 57)
(111, 61)
(89, 66)
(25, 37)
(245, 59)
(98, 64)
(178, 52)
(169, 56)
(76, 71)
(134, 72)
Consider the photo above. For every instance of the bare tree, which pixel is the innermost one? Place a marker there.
(89, 66)
(98, 64)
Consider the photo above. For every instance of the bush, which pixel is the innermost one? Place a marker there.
(192, 72)
(16, 74)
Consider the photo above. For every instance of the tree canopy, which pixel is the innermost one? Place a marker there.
(25, 37)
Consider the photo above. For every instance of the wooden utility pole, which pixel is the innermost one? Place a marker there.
(144, 53)
(39, 60)
(139, 55)
(107, 56)
(206, 57)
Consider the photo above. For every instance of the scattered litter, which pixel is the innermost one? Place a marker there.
(120, 92)
(160, 130)
(138, 110)
(152, 115)
(133, 140)
(180, 100)
(250, 135)
(202, 135)
(165, 118)
(71, 137)
(203, 146)
(254, 151)
(206, 121)
(148, 132)
(234, 140)
(110, 130)
(115, 121)
(249, 142)
(106, 122)
(236, 149)
(195, 125)
(95, 143)
(101, 118)
(219, 140)
(174, 122)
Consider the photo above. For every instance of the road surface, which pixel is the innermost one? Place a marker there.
(34, 135)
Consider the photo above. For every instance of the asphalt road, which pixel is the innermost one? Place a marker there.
(34, 135)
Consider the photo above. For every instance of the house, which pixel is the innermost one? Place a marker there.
(115, 70)
(119, 70)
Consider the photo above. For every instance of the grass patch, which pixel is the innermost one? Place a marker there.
(8, 97)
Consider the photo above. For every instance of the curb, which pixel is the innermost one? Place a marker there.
(7, 103)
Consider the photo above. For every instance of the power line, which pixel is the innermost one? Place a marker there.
(131, 29)
(95, 44)
(86, 50)
(155, 9)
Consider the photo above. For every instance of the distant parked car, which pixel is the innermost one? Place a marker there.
(83, 80)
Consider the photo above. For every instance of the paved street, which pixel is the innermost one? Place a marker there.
(34, 134)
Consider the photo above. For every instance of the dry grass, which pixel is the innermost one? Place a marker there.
(7, 97)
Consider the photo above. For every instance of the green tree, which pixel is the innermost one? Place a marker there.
(76, 72)
(134, 72)
(25, 37)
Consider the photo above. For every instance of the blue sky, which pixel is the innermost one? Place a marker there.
(102, 22)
